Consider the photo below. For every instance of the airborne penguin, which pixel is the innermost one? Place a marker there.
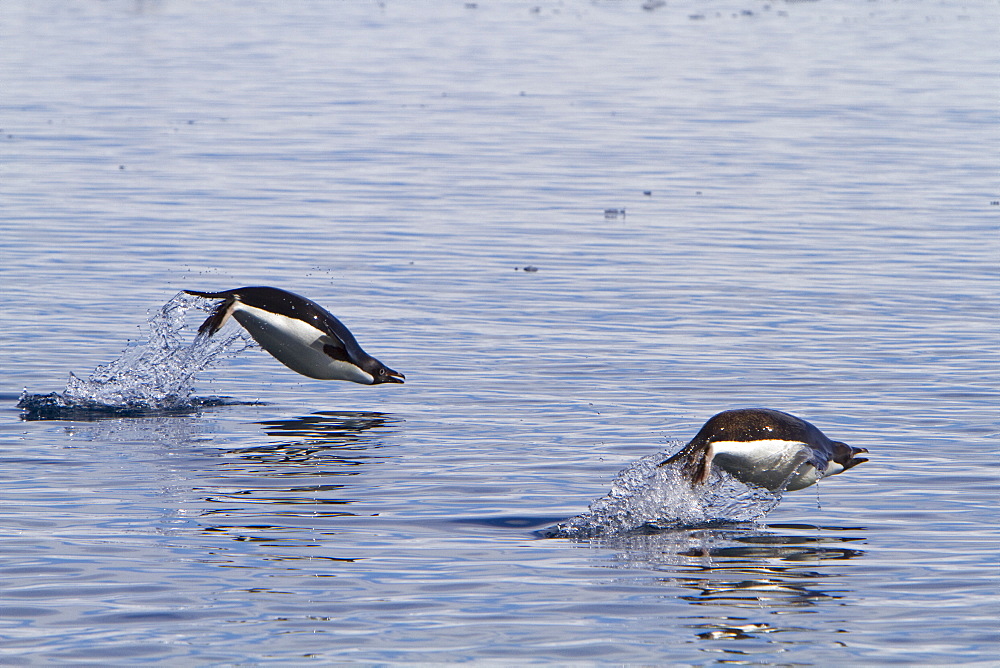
(299, 333)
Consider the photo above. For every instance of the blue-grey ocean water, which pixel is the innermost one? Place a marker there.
(724, 204)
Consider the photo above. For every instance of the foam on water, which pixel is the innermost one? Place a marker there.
(649, 497)
(155, 375)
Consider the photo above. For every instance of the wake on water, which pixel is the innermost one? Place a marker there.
(647, 498)
(156, 376)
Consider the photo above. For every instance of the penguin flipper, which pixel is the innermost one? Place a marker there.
(338, 353)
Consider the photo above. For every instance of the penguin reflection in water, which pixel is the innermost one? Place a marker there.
(764, 447)
(299, 333)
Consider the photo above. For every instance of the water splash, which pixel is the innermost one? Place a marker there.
(648, 497)
(154, 376)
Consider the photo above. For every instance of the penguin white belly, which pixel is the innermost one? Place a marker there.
(297, 344)
(774, 464)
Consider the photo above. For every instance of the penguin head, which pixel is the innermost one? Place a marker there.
(380, 373)
(847, 456)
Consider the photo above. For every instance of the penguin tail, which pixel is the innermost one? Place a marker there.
(210, 295)
(220, 314)
(695, 463)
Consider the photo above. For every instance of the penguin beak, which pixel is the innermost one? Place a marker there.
(847, 456)
(393, 376)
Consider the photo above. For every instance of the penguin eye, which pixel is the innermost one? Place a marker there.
(381, 372)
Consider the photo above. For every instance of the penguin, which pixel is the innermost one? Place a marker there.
(299, 333)
(764, 447)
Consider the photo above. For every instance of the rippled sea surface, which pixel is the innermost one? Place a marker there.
(727, 204)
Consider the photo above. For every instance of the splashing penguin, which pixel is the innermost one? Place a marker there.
(299, 333)
(764, 447)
